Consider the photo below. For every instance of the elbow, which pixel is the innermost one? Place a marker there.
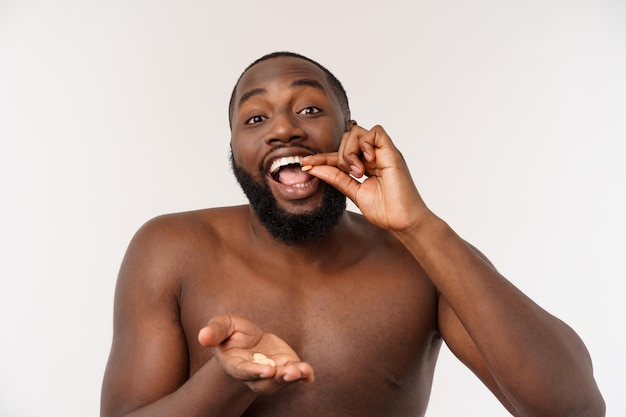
(597, 408)
(587, 404)
(591, 405)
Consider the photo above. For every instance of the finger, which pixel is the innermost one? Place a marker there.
(349, 154)
(378, 139)
(217, 330)
(367, 145)
(319, 159)
(297, 371)
(306, 372)
(252, 370)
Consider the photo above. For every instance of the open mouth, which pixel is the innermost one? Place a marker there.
(288, 171)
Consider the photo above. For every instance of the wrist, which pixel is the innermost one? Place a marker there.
(424, 231)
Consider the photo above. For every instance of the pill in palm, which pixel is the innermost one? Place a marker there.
(262, 359)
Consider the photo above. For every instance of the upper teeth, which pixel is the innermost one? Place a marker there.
(282, 162)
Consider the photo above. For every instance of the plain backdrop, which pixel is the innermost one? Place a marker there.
(512, 115)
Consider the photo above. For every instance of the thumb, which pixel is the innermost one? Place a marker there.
(339, 179)
(217, 330)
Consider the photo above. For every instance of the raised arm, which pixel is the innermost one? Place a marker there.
(534, 363)
(148, 369)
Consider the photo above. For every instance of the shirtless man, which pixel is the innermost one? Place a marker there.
(350, 309)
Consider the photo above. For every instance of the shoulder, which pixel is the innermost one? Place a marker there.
(185, 228)
(163, 245)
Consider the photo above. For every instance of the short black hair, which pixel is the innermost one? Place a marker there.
(335, 84)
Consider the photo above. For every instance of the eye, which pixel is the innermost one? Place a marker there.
(254, 120)
(309, 110)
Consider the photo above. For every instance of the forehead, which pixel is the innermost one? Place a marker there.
(277, 71)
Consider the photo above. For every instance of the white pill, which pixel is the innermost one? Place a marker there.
(262, 359)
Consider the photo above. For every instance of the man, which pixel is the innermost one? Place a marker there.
(294, 306)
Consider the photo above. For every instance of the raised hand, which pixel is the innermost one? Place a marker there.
(387, 197)
(241, 348)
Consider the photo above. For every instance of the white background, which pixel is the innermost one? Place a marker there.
(512, 115)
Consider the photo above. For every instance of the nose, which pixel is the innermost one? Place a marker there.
(284, 127)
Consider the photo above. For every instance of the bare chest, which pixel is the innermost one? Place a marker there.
(368, 332)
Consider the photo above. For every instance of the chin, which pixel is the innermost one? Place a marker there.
(305, 219)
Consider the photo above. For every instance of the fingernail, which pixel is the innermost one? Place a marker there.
(307, 167)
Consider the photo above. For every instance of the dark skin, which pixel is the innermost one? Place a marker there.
(353, 322)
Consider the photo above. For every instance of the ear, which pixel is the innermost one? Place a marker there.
(351, 123)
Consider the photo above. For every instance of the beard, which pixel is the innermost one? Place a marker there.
(288, 227)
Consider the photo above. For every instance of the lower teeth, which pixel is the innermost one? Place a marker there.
(302, 184)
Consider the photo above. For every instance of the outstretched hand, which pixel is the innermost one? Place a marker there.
(235, 340)
(387, 197)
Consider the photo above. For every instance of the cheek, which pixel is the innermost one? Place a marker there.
(245, 152)
(327, 135)
(338, 132)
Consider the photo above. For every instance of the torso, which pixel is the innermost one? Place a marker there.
(365, 320)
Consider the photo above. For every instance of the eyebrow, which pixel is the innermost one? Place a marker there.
(305, 82)
(249, 94)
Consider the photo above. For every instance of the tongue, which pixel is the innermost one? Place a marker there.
(293, 175)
